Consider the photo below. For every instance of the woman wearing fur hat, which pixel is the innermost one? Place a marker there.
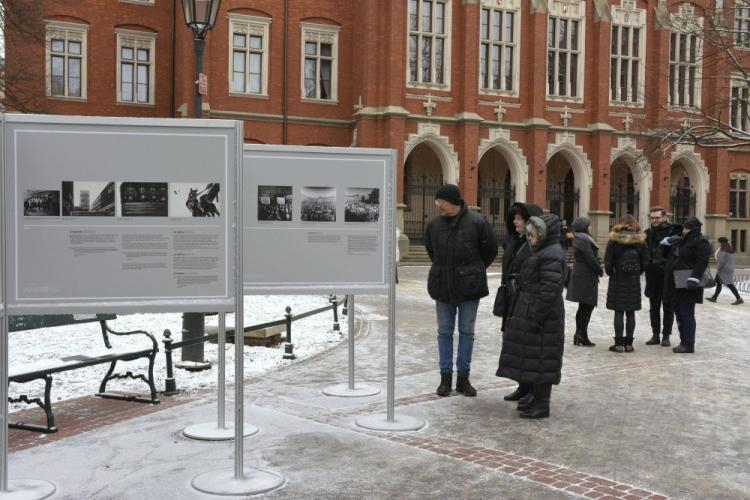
(583, 286)
(624, 261)
(534, 337)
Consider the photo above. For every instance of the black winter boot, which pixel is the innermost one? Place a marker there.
(520, 392)
(665, 341)
(653, 340)
(463, 385)
(540, 407)
(525, 402)
(618, 346)
(446, 381)
(628, 344)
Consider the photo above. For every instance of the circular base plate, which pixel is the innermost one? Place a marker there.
(380, 422)
(343, 390)
(222, 482)
(28, 489)
(210, 431)
(193, 366)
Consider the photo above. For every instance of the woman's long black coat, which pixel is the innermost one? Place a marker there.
(584, 278)
(692, 251)
(535, 336)
(624, 290)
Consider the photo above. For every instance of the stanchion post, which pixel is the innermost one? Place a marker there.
(170, 385)
(221, 345)
(350, 321)
(334, 301)
(288, 346)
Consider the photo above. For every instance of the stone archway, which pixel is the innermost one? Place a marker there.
(423, 176)
(697, 185)
(624, 197)
(578, 161)
(429, 133)
(495, 191)
(640, 169)
(563, 196)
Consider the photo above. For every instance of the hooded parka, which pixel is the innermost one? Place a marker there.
(583, 286)
(461, 249)
(624, 289)
(534, 338)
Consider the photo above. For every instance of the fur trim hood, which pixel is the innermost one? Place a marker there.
(622, 234)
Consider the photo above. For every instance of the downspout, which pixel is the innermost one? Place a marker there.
(174, 76)
(285, 72)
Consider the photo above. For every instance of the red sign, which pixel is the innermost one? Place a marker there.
(202, 84)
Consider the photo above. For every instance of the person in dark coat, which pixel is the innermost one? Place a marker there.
(624, 261)
(516, 250)
(461, 246)
(535, 336)
(725, 271)
(583, 286)
(689, 252)
(660, 228)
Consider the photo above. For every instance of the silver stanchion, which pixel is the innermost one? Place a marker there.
(349, 390)
(242, 481)
(219, 430)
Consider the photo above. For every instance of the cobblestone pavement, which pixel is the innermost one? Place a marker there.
(651, 424)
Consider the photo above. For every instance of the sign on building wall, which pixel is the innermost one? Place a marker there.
(118, 215)
(317, 220)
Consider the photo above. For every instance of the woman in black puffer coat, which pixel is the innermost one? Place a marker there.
(534, 338)
(624, 261)
(583, 286)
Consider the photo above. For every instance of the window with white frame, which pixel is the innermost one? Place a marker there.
(565, 48)
(429, 44)
(742, 24)
(66, 59)
(248, 61)
(738, 107)
(627, 54)
(738, 195)
(319, 61)
(135, 67)
(685, 58)
(498, 46)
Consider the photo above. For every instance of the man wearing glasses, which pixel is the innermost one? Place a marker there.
(660, 229)
(461, 246)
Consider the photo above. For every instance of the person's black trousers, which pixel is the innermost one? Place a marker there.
(684, 311)
(583, 316)
(655, 306)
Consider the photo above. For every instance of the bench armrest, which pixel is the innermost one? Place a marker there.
(106, 330)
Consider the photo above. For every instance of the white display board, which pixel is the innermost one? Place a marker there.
(120, 215)
(318, 220)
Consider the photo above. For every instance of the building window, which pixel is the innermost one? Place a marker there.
(738, 196)
(429, 25)
(627, 54)
(739, 240)
(738, 106)
(564, 48)
(498, 33)
(319, 62)
(248, 61)
(135, 67)
(742, 24)
(66, 60)
(684, 59)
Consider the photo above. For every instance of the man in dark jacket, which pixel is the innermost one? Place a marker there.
(687, 253)
(461, 246)
(660, 229)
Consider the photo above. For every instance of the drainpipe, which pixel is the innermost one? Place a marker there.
(285, 71)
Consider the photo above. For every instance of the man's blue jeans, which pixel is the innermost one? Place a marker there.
(446, 320)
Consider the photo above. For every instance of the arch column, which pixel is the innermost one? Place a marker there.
(565, 143)
(499, 139)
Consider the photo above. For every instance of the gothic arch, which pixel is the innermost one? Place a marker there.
(579, 162)
(640, 169)
(698, 173)
(430, 135)
(519, 167)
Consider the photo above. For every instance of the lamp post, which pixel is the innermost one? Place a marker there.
(200, 17)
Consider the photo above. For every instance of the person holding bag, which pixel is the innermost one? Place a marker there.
(725, 271)
(516, 251)
(583, 286)
(689, 252)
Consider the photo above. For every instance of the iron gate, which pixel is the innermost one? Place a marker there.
(494, 203)
(563, 199)
(420, 205)
(683, 205)
(622, 200)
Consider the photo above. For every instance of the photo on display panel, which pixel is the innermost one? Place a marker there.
(318, 204)
(362, 204)
(194, 199)
(274, 203)
(144, 199)
(40, 203)
(87, 199)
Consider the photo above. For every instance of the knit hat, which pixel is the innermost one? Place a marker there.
(449, 193)
(580, 224)
(692, 223)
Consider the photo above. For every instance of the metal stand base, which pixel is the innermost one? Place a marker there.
(28, 489)
(343, 390)
(210, 431)
(379, 422)
(222, 482)
(193, 366)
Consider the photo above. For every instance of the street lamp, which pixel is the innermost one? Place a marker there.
(200, 16)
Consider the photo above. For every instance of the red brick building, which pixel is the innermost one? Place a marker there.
(539, 100)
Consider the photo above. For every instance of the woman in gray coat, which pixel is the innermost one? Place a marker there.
(725, 271)
(583, 286)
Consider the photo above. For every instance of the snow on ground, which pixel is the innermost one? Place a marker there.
(309, 336)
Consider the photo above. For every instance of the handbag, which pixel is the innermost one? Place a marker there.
(681, 277)
(498, 308)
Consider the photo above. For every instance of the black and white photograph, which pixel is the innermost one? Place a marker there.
(274, 203)
(194, 199)
(144, 199)
(86, 199)
(40, 203)
(318, 204)
(362, 204)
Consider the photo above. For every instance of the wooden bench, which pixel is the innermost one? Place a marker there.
(44, 369)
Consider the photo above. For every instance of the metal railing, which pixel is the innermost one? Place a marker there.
(170, 385)
(742, 282)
